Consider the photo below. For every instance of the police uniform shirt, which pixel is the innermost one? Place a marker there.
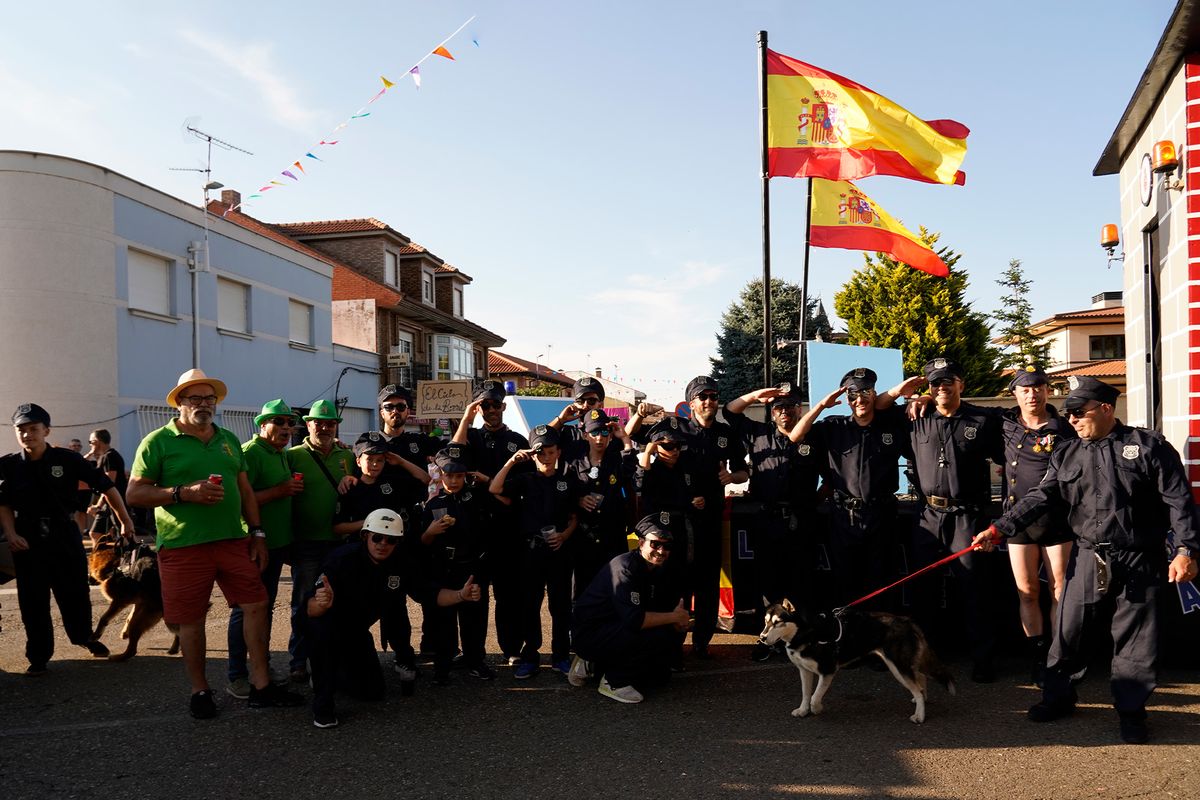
(489, 450)
(543, 499)
(1128, 490)
(47, 487)
(612, 477)
(1027, 454)
(952, 453)
(667, 488)
(713, 447)
(615, 603)
(364, 591)
(780, 470)
(462, 544)
(863, 461)
(416, 449)
(362, 498)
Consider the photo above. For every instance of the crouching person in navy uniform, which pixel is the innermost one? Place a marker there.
(454, 525)
(361, 583)
(628, 620)
(1125, 490)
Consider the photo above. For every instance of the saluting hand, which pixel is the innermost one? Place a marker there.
(830, 400)
(472, 410)
(521, 456)
(470, 592)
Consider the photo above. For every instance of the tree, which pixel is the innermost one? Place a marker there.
(1020, 345)
(890, 304)
(738, 365)
(541, 389)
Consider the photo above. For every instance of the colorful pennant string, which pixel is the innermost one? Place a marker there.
(414, 71)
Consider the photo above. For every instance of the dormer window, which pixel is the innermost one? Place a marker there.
(427, 287)
(458, 301)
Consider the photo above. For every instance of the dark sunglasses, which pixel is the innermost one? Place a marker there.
(942, 382)
(588, 401)
(382, 538)
(659, 544)
(853, 395)
(668, 445)
(491, 405)
(707, 396)
(1079, 412)
(395, 406)
(283, 422)
(601, 432)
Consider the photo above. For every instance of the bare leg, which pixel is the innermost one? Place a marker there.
(1024, 559)
(1057, 556)
(195, 646)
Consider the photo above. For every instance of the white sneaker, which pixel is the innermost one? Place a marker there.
(405, 673)
(626, 694)
(578, 674)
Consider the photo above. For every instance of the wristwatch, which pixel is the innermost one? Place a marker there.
(1186, 552)
(175, 495)
(258, 533)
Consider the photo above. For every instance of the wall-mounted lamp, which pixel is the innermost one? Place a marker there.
(1165, 161)
(1109, 239)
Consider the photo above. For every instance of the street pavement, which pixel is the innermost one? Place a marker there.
(723, 729)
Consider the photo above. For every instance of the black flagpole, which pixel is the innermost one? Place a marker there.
(803, 334)
(766, 209)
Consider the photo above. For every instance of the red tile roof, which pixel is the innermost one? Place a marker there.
(364, 225)
(1088, 315)
(504, 364)
(1096, 369)
(219, 209)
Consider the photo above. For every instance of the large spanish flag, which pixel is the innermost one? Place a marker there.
(821, 125)
(844, 217)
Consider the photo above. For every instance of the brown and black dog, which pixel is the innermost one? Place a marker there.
(138, 586)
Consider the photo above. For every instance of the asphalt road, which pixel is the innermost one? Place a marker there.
(723, 729)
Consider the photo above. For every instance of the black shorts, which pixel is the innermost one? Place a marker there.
(1043, 536)
(83, 499)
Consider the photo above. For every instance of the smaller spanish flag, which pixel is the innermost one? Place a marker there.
(845, 218)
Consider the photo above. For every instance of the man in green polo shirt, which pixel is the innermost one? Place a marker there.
(270, 476)
(323, 463)
(193, 474)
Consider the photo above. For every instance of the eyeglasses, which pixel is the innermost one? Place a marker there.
(940, 382)
(283, 422)
(780, 405)
(1080, 412)
(707, 396)
(382, 538)
(659, 544)
(853, 395)
(588, 401)
(200, 399)
(669, 446)
(488, 405)
(395, 406)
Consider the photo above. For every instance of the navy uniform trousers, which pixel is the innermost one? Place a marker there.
(55, 562)
(1134, 579)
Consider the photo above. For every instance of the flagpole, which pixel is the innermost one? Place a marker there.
(800, 346)
(766, 208)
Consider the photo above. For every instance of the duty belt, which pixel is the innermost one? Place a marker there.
(851, 503)
(949, 503)
(777, 509)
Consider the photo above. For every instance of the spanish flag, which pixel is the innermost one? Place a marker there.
(821, 125)
(844, 217)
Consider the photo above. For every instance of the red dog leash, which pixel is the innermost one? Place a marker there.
(910, 576)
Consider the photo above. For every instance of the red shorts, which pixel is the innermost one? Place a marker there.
(188, 574)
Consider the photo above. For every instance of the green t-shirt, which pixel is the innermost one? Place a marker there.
(313, 510)
(267, 467)
(170, 457)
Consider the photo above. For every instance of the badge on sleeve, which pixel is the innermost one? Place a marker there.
(561, 486)
(886, 438)
(413, 447)
(804, 449)
(393, 582)
(1130, 452)
(635, 598)
(970, 433)
(512, 447)
(722, 442)
(56, 471)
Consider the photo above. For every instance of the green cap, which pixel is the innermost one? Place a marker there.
(322, 409)
(275, 408)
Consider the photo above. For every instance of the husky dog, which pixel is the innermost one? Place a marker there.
(138, 586)
(818, 644)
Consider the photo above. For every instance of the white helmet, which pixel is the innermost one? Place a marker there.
(385, 521)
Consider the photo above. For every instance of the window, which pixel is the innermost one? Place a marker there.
(458, 300)
(149, 283)
(402, 371)
(454, 358)
(233, 302)
(1101, 347)
(427, 287)
(390, 267)
(300, 322)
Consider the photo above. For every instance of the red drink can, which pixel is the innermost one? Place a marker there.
(216, 478)
(297, 476)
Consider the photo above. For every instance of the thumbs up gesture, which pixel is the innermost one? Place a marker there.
(470, 592)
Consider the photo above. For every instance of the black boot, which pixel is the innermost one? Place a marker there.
(1039, 648)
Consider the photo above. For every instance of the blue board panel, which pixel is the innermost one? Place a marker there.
(827, 363)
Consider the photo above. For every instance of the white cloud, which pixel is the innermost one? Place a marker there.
(253, 61)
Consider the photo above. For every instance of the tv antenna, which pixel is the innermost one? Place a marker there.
(195, 247)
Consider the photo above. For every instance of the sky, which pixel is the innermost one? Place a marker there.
(594, 166)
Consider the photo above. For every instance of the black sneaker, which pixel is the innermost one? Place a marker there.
(700, 651)
(761, 652)
(272, 696)
(1133, 727)
(483, 672)
(202, 705)
(324, 719)
(1048, 712)
(97, 649)
(36, 670)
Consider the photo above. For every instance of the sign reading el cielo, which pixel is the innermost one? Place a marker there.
(442, 398)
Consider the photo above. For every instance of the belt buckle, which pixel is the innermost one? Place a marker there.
(938, 502)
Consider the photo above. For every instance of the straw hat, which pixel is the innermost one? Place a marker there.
(191, 378)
